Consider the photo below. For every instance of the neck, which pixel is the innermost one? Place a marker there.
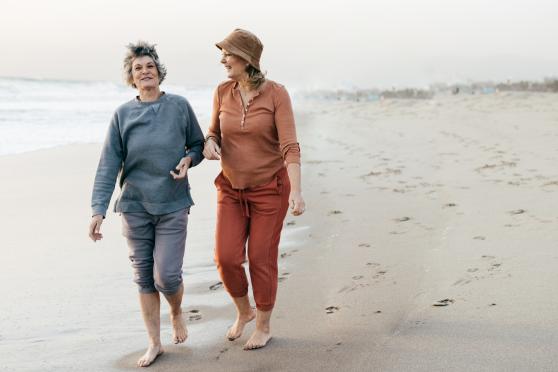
(149, 94)
(244, 84)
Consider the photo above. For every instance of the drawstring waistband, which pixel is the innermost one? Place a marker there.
(244, 207)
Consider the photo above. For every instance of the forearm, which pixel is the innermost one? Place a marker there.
(195, 152)
(293, 169)
(103, 187)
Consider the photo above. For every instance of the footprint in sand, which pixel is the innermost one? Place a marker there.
(402, 219)
(444, 302)
(462, 281)
(494, 266)
(216, 286)
(288, 254)
(331, 309)
(450, 205)
(364, 245)
(283, 277)
(334, 212)
(517, 211)
(479, 237)
(291, 223)
(221, 352)
(193, 315)
(334, 346)
(379, 274)
(357, 277)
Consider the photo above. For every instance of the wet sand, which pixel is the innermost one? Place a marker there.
(429, 243)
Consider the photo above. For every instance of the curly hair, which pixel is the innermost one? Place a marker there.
(140, 49)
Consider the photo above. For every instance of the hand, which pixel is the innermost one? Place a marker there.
(296, 203)
(182, 168)
(211, 150)
(95, 228)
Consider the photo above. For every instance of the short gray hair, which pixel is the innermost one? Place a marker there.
(140, 49)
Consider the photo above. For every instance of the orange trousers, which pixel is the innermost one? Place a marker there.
(251, 218)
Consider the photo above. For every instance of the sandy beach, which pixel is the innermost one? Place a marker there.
(429, 244)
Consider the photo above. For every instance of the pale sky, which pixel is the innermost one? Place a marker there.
(306, 43)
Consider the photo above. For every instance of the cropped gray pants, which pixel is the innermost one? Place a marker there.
(156, 249)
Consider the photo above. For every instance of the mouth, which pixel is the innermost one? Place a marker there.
(228, 68)
(146, 78)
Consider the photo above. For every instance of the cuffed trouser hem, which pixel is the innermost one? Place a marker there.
(265, 307)
(147, 290)
(167, 291)
(237, 294)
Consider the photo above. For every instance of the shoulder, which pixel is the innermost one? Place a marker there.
(224, 86)
(180, 103)
(126, 106)
(124, 109)
(176, 99)
(277, 90)
(275, 85)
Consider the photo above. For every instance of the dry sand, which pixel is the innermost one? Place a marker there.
(429, 244)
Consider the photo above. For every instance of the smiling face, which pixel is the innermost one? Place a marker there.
(234, 65)
(144, 73)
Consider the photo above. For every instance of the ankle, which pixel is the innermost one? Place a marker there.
(176, 313)
(246, 313)
(265, 328)
(155, 343)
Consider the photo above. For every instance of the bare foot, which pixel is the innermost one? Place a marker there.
(258, 340)
(150, 355)
(179, 330)
(241, 320)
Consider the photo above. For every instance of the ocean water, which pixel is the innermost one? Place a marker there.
(37, 114)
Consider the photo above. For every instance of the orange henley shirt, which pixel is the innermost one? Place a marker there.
(256, 142)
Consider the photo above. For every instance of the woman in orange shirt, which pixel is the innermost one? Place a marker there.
(252, 132)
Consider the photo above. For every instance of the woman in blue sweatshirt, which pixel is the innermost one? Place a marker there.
(151, 142)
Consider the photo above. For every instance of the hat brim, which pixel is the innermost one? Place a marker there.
(225, 44)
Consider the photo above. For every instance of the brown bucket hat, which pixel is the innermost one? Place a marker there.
(245, 45)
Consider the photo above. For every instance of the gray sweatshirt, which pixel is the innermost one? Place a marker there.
(145, 141)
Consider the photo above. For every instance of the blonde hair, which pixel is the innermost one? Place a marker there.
(255, 77)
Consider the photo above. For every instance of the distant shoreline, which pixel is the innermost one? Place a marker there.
(547, 85)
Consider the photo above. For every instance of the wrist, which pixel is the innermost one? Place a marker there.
(212, 138)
